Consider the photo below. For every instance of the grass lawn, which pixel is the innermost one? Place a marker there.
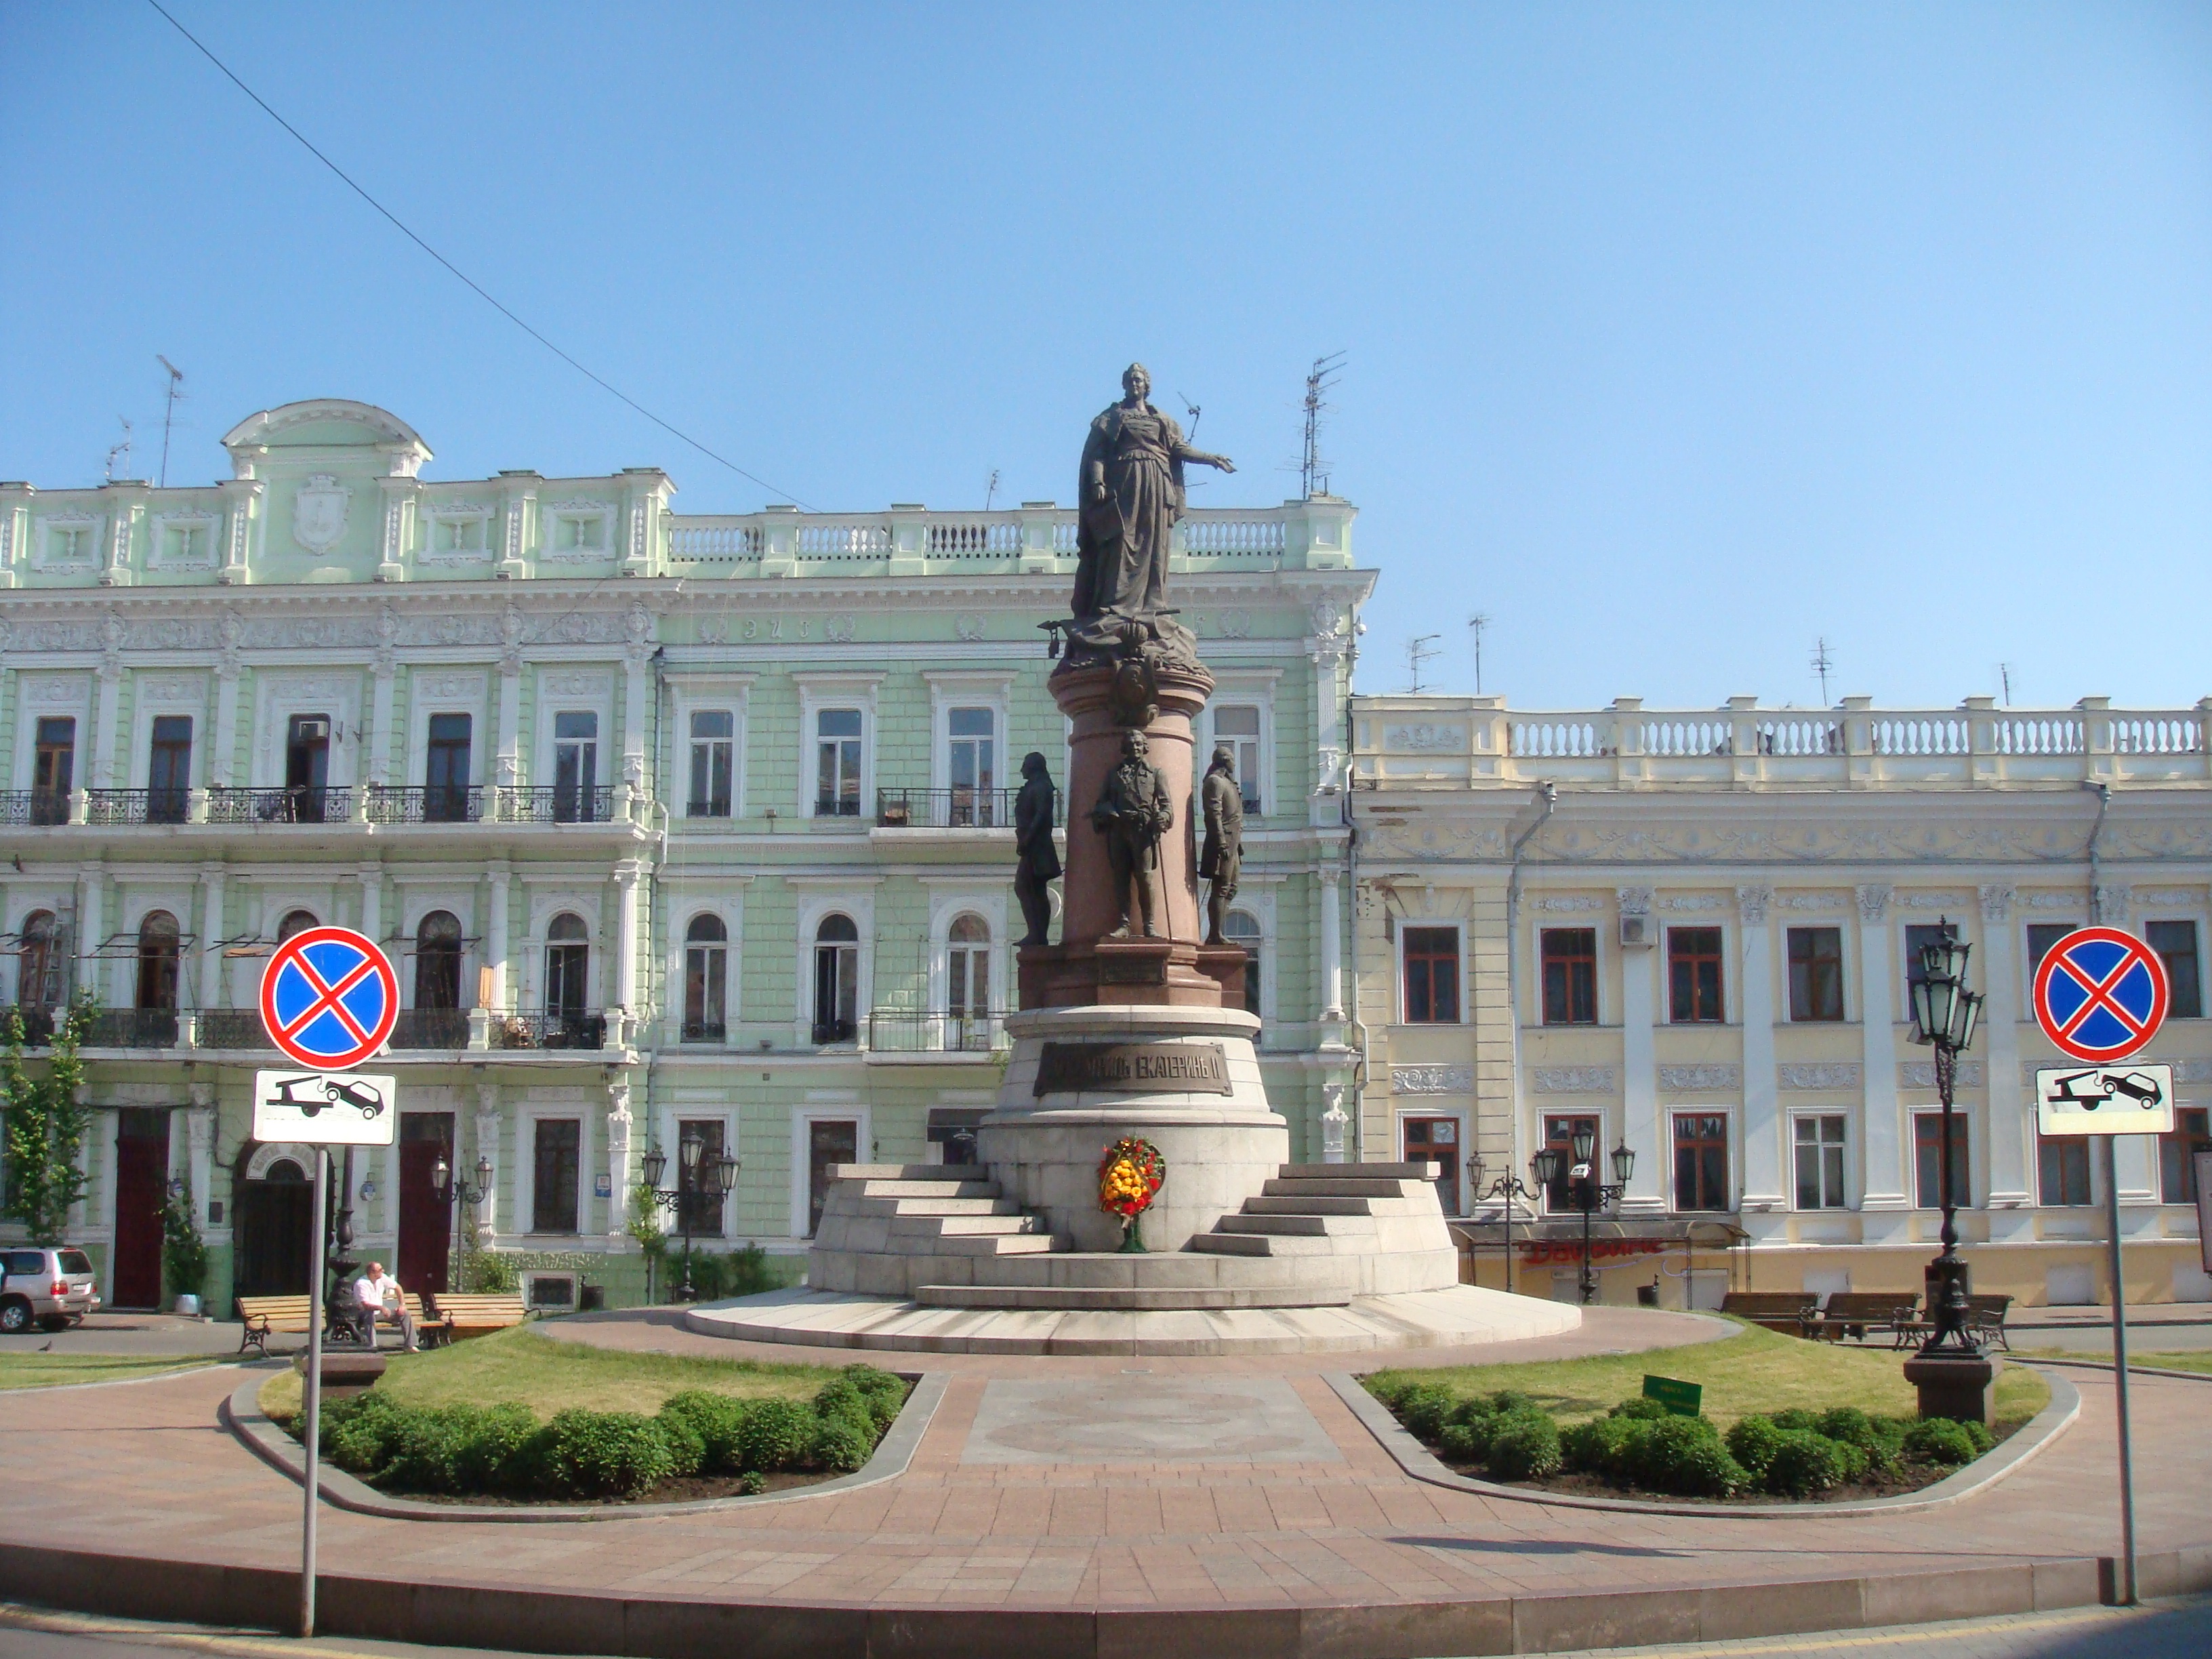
(548, 1375)
(1755, 1371)
(44, 1370)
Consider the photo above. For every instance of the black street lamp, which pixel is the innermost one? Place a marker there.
(461, 1191)
(1507, 1188)
(1584, 1190)
(697, 1171)
(1950, 1370)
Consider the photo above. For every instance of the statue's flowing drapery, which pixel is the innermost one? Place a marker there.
(1121, 542)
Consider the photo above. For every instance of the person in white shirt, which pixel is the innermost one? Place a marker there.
(380, 1297)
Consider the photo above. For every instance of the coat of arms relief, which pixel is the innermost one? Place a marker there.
(319, 513)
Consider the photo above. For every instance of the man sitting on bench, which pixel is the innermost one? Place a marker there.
(379, 1296)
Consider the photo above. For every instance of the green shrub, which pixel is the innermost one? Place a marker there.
(1753, 1441)
(357, 1434)
(1525, 1446)
(1603, 1446)
(748, 1272)
(777, 1435)
(1804, 1463)
(1945, 1441)
(1796, 1418)
(687, 1446)
(717, 1420)
(505, 1453)
(426, 1455)
(606, 1455)
(885, 1393)
(1684, 1456)
(1637, 1408)
(752, 1483)
(840, 1444)
(1850, 1425)
(1511, 1400)
(1460, 1442)
(1391, 1390)
(1425, 1408)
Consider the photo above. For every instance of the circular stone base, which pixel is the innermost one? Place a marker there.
(1459, 1316)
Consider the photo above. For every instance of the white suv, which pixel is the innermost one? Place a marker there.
(52, 1287)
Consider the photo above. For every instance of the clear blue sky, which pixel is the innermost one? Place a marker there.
(1679, 335)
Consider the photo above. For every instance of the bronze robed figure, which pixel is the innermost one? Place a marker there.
(1221, 858)
(1037, 861)
(1134, 811)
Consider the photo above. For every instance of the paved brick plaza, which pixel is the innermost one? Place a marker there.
(1317, 1516)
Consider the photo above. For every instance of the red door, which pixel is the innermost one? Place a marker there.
(1436, 1139)
(141, 1176)
(426, 1230)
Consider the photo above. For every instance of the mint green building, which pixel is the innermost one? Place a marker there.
(674, 828)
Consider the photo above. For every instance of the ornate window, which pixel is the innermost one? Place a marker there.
(1432, 975)
(158, 947)
(1693, 977)
(568, 967)
(837, 763)
(1570, 959)
(714, 763)
(836, 979)
(1816, 974)
(438, 961)
(1701, 1161)
(1820, 1153)
(706, 979)
(968, 983)
(41, 979)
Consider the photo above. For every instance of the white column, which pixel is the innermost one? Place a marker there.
(90, 930)
(634, 687)
(619, 1125)
(211, 936)
(1332, 949)
(627, 874)
(495, 944)
(199, 1134)
(509, 772)
(1639, 1068)
(2011, 1113)
(380, 721)
(371, 901)
(221, 756)
(1763, 1154)
(1886, 1197)
(488, 1146)
(103, 722)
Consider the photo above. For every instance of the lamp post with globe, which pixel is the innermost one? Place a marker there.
(1951, 1371)
(1585, 1191)
(701, 1178)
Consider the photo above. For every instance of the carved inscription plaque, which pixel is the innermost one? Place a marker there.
(1145, 1068)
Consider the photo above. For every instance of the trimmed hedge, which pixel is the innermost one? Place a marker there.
(466, 1450)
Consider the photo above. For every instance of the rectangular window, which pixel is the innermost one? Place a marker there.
(2063, 1164)
(1820, 1162)
(575, 765)
(1559, 1137)
(446, 770)
(1701, 1161)
(1432, 957)
(701, 1195)
(973, 770)
(169, 768)
(1236, 727)
(1928, 1162)
(713, 762)
(830, 1142)
(53, 769)
(2177, 1155)
(2176, 945)
(837, 763)
(553, 1188)
(1816, 973)
(1693, 975)
(1570, 956)
(2041, 936)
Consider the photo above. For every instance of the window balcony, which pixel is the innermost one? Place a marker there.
(547, 1027)
(35, 808)
(708, 1033)
(133, 1028)
(233, 1028)
(295, 805)
(557, 804)
(136, 805)
(950, 809)
(909, 1030)
(433, 803)
(431, 1028)
(828, 1031)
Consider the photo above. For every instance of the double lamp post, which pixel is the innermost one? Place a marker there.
(1951, 1371)
(1583, 1191)
(702, 1178)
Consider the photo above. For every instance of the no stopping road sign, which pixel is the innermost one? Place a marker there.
(2101, 993)
(329, 998)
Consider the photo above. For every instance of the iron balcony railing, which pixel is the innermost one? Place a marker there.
(233, 1028)
(835, 1030)
(296, 804)
(557, 804)
(37, 808)
(951, 808)
(706, 1032)
(547, 1027)
(133, 1028)
(135, 805)
(836, 806)
(431, 1028)
(431, 803)
(909, 1030)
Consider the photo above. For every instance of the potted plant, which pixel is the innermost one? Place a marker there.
(184, 1251)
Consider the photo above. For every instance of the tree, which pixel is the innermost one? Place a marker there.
(43, 1149)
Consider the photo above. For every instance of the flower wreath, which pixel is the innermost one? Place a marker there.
(1130, 1176)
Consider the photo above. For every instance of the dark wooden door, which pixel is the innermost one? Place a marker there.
(141, 1177)
(830, 1141)
(1437, 1138)
(275, 1232)
(425, 1224)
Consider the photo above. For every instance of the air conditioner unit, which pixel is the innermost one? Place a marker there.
(1636, 930)
(311, 731)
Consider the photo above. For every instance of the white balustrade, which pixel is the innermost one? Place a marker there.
(1920, 734)
(2039, 734)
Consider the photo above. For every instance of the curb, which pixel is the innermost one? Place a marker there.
(2134, 1370)
(242, 1415)
(171, 1374)
(1418, 1461)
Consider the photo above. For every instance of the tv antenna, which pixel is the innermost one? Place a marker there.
(2004, 678)
(169, 411)
(1418, 654)
(1475, 624)
(1193, 411)
(1823, 664)
(1321, 379)
(991, 489)
(122, 449)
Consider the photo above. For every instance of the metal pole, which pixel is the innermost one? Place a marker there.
(2127, 1585)
(313, 1395)
(1508, 1236)
(1589, 1286)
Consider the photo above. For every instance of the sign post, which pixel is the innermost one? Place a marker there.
(329, 999)
(2100, 995)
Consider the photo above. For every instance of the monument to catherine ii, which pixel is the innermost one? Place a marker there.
(1133, 1035)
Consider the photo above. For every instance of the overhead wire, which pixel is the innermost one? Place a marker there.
(476, 286)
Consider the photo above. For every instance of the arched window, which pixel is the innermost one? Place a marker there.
(157, 960)
(1239, 928)
(296, 922)
(567, 963)
(39, 978)
(438, 961)
(836, 980)
(706, 979)
(968, 984)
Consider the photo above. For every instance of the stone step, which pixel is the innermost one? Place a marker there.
(1310, 1206)
(1417, 1171)
(1341, 1187)
(929, 1188)
(966, 1226)
(902, 1206)
(889, 1171)
(1130, 1298)
(993, 1245)
(1297, 1226)
(1228, 1243)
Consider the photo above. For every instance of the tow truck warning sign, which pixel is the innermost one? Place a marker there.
(2121, 1099)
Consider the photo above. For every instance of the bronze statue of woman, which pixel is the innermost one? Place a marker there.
(1131, 494)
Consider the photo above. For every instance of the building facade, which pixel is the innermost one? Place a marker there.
(676, 827)
(1695, 932)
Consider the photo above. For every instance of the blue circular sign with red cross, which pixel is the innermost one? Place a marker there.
(2101, 993)
(328, 997)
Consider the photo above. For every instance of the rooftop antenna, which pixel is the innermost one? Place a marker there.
(1823, 664)
(991, 489)
(2004, 675)
(122, 449)
(1418, 652)
(1475, 624)
(169, 411)
(1193, 411)
(1322, 378)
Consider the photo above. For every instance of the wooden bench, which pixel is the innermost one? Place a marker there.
(265, 1317)
(470, 1313)
(1790, 1312)
(1986, 1315)
(1855, 1312)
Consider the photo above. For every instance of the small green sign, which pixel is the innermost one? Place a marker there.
(1682, 1399)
